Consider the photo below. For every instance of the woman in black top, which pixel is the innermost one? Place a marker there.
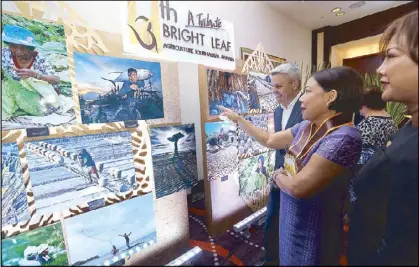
(376, 127)
(384, 222)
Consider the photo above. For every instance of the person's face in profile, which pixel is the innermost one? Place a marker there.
(283, 88)
(398, 74)
(21, 51)
(133, 76)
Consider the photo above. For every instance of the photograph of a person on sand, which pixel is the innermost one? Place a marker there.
(96, 237)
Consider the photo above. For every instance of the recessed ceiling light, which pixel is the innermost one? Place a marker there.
(336, 9)
(340, 13)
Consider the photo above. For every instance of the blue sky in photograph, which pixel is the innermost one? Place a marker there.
(91, 68)
(212, 127)
(94, 232)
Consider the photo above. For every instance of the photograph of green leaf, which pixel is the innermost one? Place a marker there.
(36, 87)
(40, 247)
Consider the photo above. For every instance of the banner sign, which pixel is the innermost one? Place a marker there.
(168, 30)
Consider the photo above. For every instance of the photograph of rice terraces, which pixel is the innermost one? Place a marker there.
(36, 87)
(221, 146)
(40, 247)
(14, 204)
(254, 172)
(96, 237)
(69, 171)
(248, 146)
(228, 90)
(118, 89)
(260, 92)
(173, 149)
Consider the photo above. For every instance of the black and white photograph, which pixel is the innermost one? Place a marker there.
(173, 149)
(65, 172)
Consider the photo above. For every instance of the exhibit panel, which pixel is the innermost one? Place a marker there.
(236, 167)
(64, 168)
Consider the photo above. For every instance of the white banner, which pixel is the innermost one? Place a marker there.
(168, 30)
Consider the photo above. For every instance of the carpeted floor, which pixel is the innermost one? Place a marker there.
(229, 248)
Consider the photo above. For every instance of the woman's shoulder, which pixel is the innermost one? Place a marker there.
(299, 127)
(346, 133)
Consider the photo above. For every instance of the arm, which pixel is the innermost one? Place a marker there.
(311, 179)
(278, 140)
(336, 154)
(27, 73)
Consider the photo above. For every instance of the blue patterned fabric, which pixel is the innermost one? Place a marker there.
(311, 228)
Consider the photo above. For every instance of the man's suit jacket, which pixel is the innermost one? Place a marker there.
(295, 117)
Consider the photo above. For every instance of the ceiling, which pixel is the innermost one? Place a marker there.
(317, 14)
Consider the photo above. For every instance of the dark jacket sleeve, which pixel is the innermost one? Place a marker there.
(400, 243)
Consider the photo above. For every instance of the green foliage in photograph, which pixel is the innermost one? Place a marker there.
(44, 31)
(13, 248)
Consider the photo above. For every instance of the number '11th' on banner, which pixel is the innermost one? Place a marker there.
(169, 30)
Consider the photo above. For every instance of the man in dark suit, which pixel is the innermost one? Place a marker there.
(286, 84)
(286, 81)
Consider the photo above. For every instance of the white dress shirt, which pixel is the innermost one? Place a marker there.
(286, 113)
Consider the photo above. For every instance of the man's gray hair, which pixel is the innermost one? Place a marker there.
(290, 69)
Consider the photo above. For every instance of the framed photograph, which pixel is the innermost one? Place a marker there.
(118, 89)
(41, 247)
(36, 87)
(69, 171)
(246, 52)
(111, 233)
(174, 158)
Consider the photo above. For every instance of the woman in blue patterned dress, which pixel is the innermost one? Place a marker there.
(322, 151)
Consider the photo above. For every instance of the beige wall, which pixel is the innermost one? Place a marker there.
(361, 47)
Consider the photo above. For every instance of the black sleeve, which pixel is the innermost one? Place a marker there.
(400, 243)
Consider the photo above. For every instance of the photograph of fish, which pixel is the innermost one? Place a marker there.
(221, 146)
(247, 145)
(65, 172)
(95, 238)
(228, 90)
(260, 92)
(36, 88)
(117, 89)
(173, 149)
(254, 172)
(14, 204)
(40, 247)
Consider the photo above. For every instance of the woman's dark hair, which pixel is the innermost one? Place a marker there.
(405, 32)
(372, 98)
(349, 86)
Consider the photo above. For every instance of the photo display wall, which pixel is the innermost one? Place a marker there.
(78, 156)
(238, 167)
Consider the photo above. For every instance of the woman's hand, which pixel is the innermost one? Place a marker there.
(25, 73)
(279, 175)
(229, 114)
